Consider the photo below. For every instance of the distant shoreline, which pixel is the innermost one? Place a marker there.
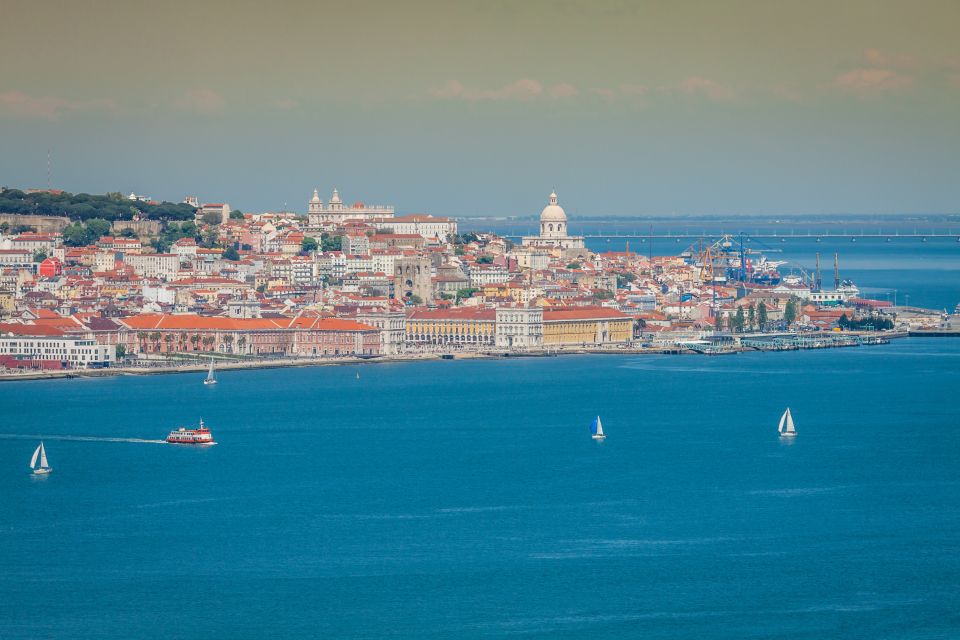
(399, 358)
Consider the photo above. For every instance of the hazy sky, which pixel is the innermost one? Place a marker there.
(463, 108)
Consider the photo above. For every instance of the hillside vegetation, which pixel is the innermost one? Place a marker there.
(83, 206)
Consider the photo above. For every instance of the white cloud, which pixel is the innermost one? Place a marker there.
(17, 103)
(870, 81)
(524, 89)
(201, 100)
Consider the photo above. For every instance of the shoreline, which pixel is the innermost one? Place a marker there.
(398, 358)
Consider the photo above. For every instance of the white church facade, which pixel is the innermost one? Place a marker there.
(336, 212)
(553, 229)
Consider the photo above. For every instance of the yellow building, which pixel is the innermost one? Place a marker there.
(586, 326)
(466, 327)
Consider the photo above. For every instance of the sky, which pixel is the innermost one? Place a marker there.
(482, 108)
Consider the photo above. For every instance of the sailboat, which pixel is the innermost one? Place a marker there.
(596, 429)
(786, 428)
(211, 379)
(358, 375)
(43, 467)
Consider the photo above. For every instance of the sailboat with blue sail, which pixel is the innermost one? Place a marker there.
(596, 429)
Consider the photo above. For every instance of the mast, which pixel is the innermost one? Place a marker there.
(836, 271)
(43, 457)
(816, 283)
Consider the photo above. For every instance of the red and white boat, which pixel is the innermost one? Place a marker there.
(200, 435)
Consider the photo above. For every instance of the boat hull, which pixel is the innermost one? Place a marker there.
(788, 435)
(599, 437)
(42, 472)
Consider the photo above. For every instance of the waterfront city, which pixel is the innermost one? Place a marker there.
(167, 287)
(548, 319)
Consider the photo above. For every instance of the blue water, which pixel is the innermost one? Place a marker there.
(466, 499)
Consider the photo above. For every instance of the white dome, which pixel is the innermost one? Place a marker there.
(553, 212)
(316, 197)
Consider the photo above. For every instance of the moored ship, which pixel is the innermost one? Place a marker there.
(200, 435)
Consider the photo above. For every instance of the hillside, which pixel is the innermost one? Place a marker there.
(83, 206)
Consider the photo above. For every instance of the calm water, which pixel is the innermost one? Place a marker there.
(466, 499)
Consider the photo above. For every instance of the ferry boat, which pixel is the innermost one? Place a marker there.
(200, 435)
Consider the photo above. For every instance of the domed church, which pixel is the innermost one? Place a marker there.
(553, 229)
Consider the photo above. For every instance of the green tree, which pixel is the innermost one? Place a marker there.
(121, 352)
(751, 316)
(466, 292)
(39, 255)
(573, 265)
(127, 232)
(762, 316)
(211, 218)
(309, 244)
(414, 299)
(236, 214)
(231, 254)
(603, 295)
(330, 243)
(485, 260)
(97, 228)
(739, 320)
(790, 312)
(843, 322)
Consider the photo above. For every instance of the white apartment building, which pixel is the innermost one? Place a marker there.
(75, 352)
(154, 265)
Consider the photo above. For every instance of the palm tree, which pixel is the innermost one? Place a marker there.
(228, 340)
(242, 342)
(194, 339)
(141, 337)
(168, 338)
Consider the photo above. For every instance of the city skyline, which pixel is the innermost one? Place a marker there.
(482, 108)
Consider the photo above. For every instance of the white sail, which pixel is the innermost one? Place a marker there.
(33, 460)
(210, 372)
(43, 457)
(786, 423)
(599, 427)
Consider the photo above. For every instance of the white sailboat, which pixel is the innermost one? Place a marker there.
(596, 429)
(211, 378)
(786, 428)
(43, 467)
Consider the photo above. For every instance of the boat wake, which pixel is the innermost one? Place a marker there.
(21, 436)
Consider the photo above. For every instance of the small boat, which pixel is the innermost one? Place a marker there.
(358, 375)
(43, 467)
(596, 429)
(786, 428)
(200, 435)
(211, 378)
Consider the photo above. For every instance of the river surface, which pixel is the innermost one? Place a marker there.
(465, 499)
